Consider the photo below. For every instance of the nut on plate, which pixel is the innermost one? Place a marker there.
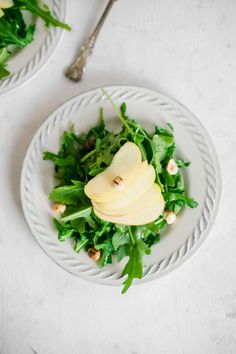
(169, 217)
(94, 254)
(118, 182)
(58, 208)
(172, 167)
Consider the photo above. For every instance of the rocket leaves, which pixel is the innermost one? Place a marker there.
(82, 156)
(15, 32)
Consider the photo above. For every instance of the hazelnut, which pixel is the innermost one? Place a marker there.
(169, 217)
(94, 254)
(118, 182)
(171, 167)
(58, 208)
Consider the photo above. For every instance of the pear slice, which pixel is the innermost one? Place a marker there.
(138, 186)
(5, 4)
(111, 183)
(140, 217)
(151, 197)
(1, 12)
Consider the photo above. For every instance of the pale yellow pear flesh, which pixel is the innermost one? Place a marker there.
(125, 165)
(142, 182)
(126, 192)
(151, 197)
(140, 217)
(1, 13)
(5, 4)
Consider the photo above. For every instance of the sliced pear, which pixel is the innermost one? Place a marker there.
(138, 186)
(140, 217)
(5, 4)
(112, 183)
(1, 13)
(150, 197)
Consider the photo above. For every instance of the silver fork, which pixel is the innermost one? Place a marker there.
(76, 70)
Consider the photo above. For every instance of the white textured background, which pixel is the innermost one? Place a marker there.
(187, 49)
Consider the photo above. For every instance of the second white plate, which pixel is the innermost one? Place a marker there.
(150, 108)
(25, 63)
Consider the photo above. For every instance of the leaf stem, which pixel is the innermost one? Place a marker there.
(132, 237)
(45, 15)
(116, 110)
(159, 183)
(81, 245)
(89, 154)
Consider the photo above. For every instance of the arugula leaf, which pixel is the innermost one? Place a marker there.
(4, 54)
(182, 163)
(120, 238)
(170, 126)
(169, 153)
(65, 231)
(150, 233)
(122, 252)
(163, 149)
(190, 202)
(99, 131)
(31, 5)
(107, 250)
(59, 161)
(179, 198)
(9, 35)
(164, 132)
(73, 212)
(96, 171)
(67, 194)
(162, 143)
(3, 71)
(152, 239)
(69, 144)
(80, 244)
(79, 225)
(169, 180)
(134, 267)
(102, 230)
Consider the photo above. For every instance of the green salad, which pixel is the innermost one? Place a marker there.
(15, 32)
(85, 156)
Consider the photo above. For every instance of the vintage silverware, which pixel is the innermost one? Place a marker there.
(75, 71)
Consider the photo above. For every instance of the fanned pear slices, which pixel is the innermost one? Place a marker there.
(140, 184)
(149, 198)
(115, 180)
(5, 4)
(140, 217)
(125, 193)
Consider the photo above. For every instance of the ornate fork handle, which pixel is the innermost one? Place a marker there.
(76, 70)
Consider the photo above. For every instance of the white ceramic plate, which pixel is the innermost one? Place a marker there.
(203, 180)
(25, 63)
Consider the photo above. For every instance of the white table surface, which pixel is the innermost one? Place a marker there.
(186, 49)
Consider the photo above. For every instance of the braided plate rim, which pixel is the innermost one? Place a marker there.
(208, 156)
(40, 58)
